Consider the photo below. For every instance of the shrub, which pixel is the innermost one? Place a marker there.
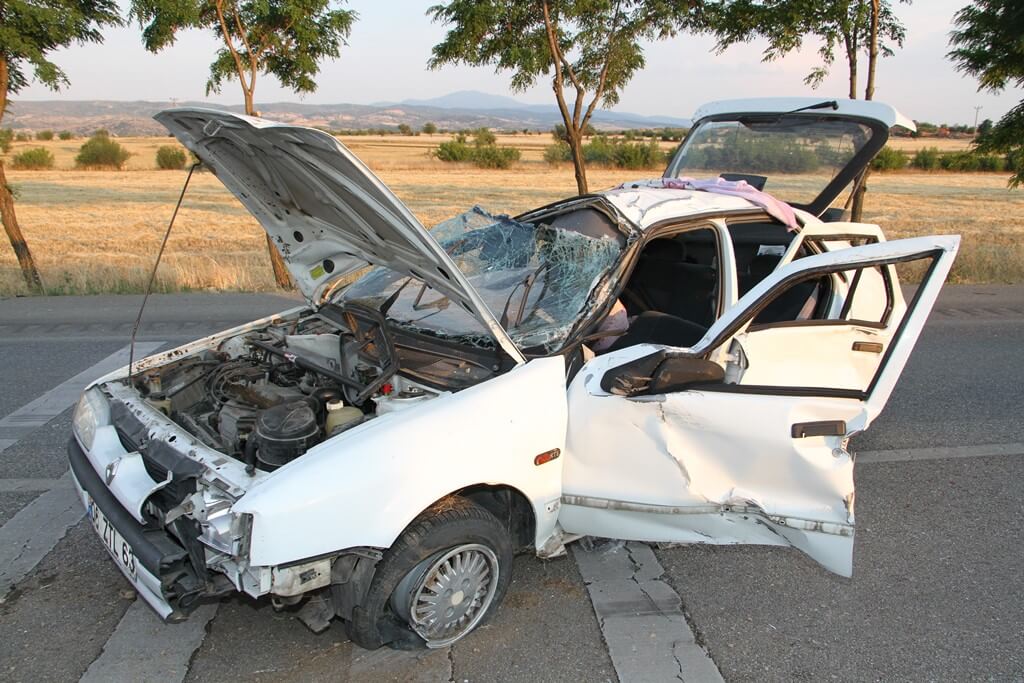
(600, 151)
(926, 159)
(100, 151)
(65, 135)
(37, 159)
(992, 163)
(492, 156)
(404, 129)
(6, 137)
(454, 150)
(638, 155)
(557, 153)
(964, 162)
(889, 159)
(482, 152)
(484, 136)
(170, 158)
(44, 135)
(22, 137)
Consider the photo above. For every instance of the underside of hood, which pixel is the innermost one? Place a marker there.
(328, 214)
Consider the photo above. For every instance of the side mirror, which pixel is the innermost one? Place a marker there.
(660, 373)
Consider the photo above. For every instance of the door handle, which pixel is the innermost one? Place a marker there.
(867, 347)
(822, 428)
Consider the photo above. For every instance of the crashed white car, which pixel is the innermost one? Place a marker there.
(670, 360)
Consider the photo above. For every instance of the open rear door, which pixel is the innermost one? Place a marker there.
(761, 456)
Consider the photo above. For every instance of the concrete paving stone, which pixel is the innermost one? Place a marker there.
(935, 593)
(57, 620)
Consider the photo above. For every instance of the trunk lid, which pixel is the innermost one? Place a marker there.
(804, 150)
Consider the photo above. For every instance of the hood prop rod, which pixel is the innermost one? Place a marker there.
(152, 275)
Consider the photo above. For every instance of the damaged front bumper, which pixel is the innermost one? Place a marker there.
(154, 562)
(162, 504)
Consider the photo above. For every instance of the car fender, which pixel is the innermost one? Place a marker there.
(364, 486)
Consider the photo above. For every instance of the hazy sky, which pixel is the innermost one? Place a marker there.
(390, 44)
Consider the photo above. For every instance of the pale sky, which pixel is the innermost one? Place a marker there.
(390, 44)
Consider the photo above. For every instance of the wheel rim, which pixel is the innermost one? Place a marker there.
(452, 594)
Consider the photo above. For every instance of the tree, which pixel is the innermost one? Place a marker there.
(852, 26)
(30, 30)
(842, 25)
(984, 128)
(283, 38)
(987, 45)
(429, 128)
(585, 46)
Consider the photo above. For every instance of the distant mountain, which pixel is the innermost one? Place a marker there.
(468, 99)
(453, 112)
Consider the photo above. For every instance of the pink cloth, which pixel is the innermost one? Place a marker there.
(734, 188)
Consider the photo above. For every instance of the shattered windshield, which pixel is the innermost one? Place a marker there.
(795, 157)
(535, 278)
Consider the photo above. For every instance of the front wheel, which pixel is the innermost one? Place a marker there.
(444, 576)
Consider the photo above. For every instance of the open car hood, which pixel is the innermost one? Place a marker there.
(328, 214)
(826, 142)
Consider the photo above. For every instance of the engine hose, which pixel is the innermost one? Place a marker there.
(250, 455)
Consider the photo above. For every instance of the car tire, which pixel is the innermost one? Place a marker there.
(443, 577)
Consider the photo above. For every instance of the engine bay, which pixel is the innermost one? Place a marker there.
(267, 396)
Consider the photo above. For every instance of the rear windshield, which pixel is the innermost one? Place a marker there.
(796, 155)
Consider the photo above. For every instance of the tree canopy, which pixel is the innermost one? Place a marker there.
(842, 26)
(987, 44)
(30, 30)
(284, 38)
(584, 46)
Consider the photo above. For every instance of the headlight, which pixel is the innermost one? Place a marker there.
(92, 410)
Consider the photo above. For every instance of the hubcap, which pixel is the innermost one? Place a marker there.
(446, 595)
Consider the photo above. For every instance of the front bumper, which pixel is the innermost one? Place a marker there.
(164, 577)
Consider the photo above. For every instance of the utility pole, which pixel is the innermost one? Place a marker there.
(976, 110)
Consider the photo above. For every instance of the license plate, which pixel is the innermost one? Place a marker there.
(115, 544)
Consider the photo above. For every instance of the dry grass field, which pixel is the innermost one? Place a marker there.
(98, 231)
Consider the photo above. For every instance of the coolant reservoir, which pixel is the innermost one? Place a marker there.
(340, 417)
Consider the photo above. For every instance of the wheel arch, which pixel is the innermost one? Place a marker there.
(511, 507)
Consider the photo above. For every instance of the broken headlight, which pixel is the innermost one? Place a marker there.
(92, 411)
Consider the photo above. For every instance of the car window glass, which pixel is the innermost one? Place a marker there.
(537, 278)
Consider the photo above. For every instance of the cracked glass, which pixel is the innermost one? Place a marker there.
(537, 280)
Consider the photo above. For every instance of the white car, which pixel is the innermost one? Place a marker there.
(653, 362)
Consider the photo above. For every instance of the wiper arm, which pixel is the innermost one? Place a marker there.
(527, 284)
(827, 104)
(439, 304)
(390, 301)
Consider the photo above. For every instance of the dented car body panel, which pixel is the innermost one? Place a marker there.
(696, 473)
(290, 456)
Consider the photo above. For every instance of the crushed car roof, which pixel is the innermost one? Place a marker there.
(647, 206)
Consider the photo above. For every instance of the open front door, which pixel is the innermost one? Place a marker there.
(758, 456)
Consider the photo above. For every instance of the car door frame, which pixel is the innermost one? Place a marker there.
(590, 504)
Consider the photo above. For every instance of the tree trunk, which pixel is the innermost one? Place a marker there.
(853, 76)
(21, 250)
(7, 215)
(579, 168)
(281, 276)
(869, 89)
(857, 210)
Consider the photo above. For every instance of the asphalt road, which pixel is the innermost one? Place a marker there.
(935, 593)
